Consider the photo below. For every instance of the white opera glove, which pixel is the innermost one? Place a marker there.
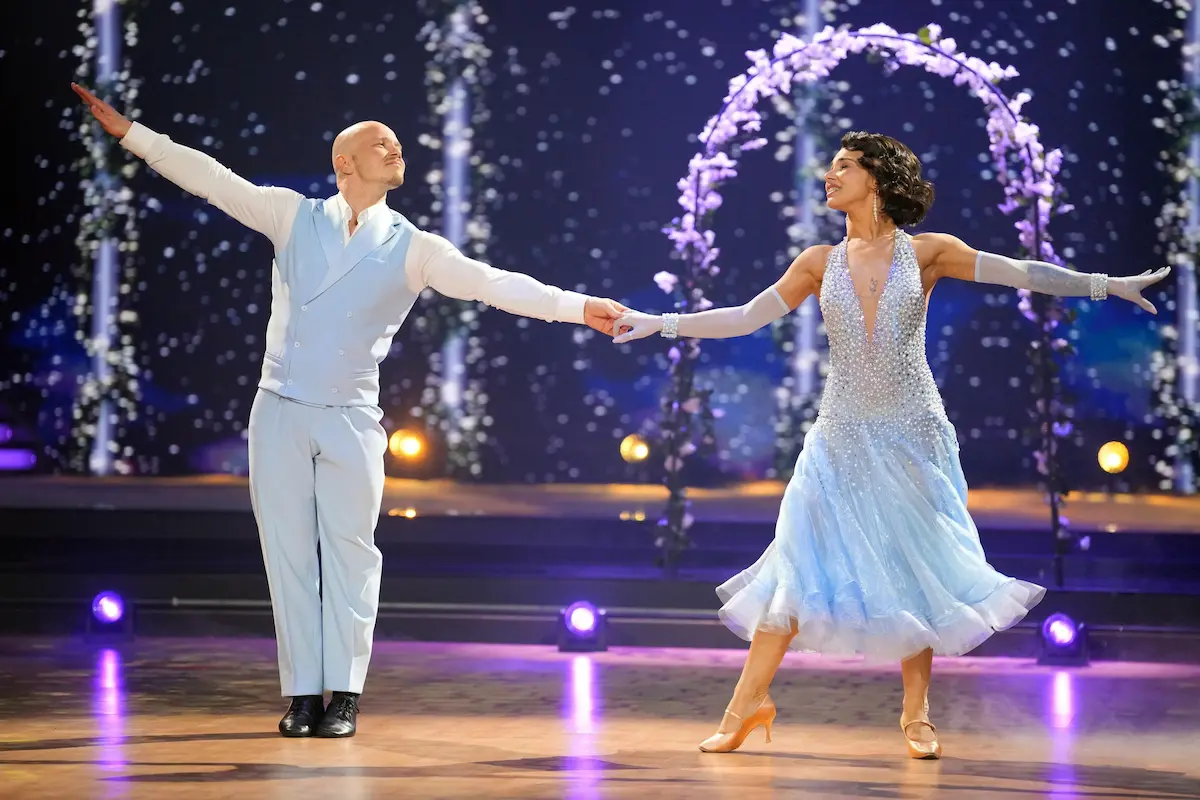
(636, 325)
(1044, 278)
(717, 323)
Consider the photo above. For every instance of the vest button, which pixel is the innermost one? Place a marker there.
(304, 308)
(341, 352)
(335, 391)
(349, 313)
(297, 344)
(289, 381)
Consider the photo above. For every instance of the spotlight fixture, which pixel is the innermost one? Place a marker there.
(1064, 642)
(109, 617)
(1113, 457)
(406, 445)
(634, 449)
(582, 628)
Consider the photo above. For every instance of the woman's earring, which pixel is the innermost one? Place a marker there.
(875, 206)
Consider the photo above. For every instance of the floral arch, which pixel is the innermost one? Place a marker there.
(1024, 169)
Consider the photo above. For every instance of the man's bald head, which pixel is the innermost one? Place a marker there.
(343, 143)
(368, 152)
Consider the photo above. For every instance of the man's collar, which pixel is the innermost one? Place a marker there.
(344, 207)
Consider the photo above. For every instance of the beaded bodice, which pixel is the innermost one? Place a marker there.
(883, 374)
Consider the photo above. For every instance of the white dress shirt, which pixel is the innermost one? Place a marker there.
(363, 216)
(431, 260)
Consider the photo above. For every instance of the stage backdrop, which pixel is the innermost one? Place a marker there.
(591, 115)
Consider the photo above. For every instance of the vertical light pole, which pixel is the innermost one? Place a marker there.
(107, 20)
(1188, 319)
(456, 155)
(807, 358)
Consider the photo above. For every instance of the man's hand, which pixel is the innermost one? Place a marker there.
(600, 314)
(112, 122)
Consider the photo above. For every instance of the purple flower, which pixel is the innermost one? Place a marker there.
(666, 281)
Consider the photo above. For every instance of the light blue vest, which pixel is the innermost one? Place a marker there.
(335, 308)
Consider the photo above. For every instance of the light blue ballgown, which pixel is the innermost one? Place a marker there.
(874, 552)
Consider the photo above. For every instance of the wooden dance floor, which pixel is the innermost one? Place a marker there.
(195, 718)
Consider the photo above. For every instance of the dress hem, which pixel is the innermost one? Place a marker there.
(898, 634)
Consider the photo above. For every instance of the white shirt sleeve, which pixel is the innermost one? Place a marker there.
(434, 262)
(267, 209)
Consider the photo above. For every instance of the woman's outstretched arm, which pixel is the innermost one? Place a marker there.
(945, 256)
(803, 278)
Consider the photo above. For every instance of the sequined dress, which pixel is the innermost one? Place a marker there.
(874, 551)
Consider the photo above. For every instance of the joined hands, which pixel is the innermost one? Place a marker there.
(600, 314)
(636, 325)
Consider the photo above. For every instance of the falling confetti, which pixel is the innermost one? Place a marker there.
(593, 113)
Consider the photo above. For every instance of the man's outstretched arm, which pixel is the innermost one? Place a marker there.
(267, 209)
(435, 262)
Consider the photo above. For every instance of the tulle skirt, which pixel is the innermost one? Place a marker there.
(874, 551)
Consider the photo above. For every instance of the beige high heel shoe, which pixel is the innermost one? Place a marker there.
(925, 750)
(720, 742)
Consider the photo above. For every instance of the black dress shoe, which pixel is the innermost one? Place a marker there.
(303, 716)
(341, 718)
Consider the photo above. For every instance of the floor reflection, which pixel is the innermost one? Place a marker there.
(108, 715)
(581, 707)
(186, 719)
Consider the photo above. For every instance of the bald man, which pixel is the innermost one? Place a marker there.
(346, 273)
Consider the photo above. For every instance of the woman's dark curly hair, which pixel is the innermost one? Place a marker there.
(904, 195)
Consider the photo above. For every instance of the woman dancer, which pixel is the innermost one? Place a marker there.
(874, 551)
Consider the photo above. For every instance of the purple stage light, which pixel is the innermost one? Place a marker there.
(6, 432)
(108, 607)
(1060, 630)
(582, 628)
(17, 460)
(581, 618)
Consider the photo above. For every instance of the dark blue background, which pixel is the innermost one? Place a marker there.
(587, 179)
